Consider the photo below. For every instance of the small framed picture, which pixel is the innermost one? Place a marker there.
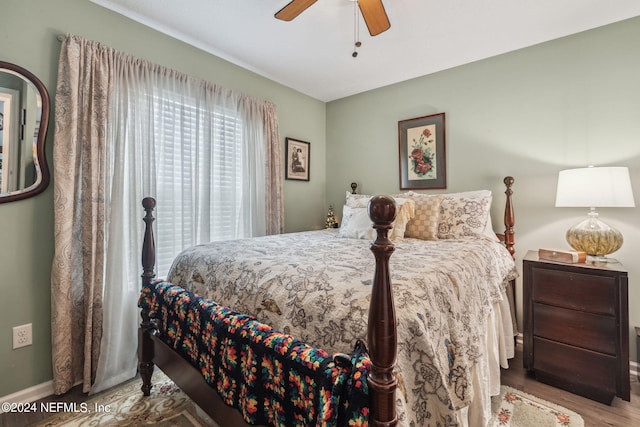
(297, 159)
(422, 153)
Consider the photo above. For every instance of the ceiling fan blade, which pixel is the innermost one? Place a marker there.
(374, 16)
(293, 9)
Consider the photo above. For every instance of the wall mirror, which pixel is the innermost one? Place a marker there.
(24, 117)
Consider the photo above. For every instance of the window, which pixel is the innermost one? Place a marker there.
(200, 180)
(128, 129)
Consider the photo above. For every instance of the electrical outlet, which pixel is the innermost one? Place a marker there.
(22, 336)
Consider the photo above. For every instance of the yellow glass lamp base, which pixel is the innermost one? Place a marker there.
(594, 237)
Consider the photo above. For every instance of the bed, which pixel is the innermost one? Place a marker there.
(432, 358)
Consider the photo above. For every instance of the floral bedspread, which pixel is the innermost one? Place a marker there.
(271, 378)
(316, 286)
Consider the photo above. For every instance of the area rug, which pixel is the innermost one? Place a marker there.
(125, 406)
(168, 406)
(518, 409)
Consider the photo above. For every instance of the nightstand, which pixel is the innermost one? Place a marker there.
(576, 326)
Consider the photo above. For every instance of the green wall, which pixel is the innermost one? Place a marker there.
(530, 113)
(28, 31)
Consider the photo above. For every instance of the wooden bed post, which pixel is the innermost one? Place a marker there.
(382, 334)
(148, 244)
(509, 243)
(147, 327)
(509, 217)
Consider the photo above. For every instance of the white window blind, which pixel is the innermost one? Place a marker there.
(200, 178)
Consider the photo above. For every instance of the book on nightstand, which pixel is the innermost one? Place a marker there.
(562, 255)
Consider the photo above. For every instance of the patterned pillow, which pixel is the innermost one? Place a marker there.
(462, 217)
(424, 225)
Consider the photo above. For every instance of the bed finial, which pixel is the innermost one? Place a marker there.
(354, 186)
(382, 211)
(381, 333)
(148, 244)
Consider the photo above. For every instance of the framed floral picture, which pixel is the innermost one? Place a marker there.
(297, 160)
(422, 153)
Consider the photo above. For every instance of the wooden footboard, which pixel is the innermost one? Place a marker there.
(381, 336)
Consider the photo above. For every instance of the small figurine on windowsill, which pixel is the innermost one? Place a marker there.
(331, 219)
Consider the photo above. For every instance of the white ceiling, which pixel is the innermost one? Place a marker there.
(313, 53)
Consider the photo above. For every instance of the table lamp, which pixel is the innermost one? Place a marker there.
(594, 187)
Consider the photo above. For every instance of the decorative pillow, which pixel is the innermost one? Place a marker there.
(406, 211)
(357, 200)
(489, 232)
(357, 224)
(464, 216)
(424, 224)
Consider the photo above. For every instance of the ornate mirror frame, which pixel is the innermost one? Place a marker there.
(41, 120)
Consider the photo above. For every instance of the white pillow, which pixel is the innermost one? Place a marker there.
(476, 194)
(489, 232)
(357, 224)
(357, 200)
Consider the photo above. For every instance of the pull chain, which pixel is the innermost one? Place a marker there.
(356, 29)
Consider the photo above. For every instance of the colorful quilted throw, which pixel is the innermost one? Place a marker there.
(272, 378)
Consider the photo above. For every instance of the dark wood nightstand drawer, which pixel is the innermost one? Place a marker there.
(586, 330)
(585, 292)
(580, 371)
(576, 326)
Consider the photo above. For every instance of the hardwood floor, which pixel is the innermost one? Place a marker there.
(619, 414)
(26, 419)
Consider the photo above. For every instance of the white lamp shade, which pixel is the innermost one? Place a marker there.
(595, 187)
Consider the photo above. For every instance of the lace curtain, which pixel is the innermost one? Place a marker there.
(126, 129)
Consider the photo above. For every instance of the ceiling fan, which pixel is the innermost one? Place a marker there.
(372, 11)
